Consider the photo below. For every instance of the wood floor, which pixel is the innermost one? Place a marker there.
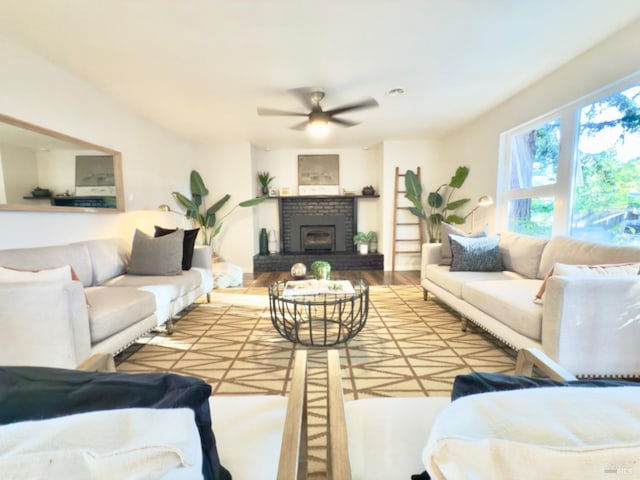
(372, 277)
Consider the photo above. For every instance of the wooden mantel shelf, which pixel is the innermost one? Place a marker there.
(328, 196)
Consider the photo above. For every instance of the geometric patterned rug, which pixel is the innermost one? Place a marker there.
(409, 347)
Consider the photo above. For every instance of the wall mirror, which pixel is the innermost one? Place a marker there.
(43, 170)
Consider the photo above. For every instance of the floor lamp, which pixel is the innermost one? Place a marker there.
(483, 201)
(166, 208)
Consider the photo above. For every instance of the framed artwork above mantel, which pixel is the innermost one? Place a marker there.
(319, 174)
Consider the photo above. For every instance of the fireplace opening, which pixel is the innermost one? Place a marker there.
(318, 237)
(315, 233)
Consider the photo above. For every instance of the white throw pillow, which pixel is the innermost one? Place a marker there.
(11, 275)
(608, 269)
(562, 433)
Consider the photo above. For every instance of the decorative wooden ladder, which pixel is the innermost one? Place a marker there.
(407, 230)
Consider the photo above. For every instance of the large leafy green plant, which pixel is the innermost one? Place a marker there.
(439, 205)
(207, 217)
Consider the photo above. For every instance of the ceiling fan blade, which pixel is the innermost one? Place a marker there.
(281, 113)
(304, 95)
(300, 126)
(343, 123)
(366, 103)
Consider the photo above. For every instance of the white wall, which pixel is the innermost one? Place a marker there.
(358, 168)
(155, 163)
(477, 143)
(20, 169)
(226, 169)
(406, 154)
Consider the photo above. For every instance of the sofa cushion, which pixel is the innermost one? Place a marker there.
(40, 258)
(521, 253)
(445, 247)
(188, 243)
(453, 281)
(508, 302)
(109, 258)
(475, 254)
(156, 256)
(114, 309)
(578, 252)
(179, 284)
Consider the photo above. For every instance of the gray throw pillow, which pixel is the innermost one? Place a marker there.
(445, 247)
(475, 254)
(156, 256)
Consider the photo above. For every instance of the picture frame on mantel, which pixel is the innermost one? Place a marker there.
(319, 174)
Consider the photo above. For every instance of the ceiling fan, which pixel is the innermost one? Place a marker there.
(318, 117)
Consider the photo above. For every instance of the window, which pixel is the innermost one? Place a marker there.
(576, 172)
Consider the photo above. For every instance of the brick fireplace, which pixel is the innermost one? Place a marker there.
(335, 217)
(318, 228)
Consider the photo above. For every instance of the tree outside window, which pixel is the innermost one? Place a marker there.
(600, 199)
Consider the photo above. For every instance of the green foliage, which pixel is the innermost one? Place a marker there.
(265, 179)
(362, 237)
(440, 206)
(207, 218)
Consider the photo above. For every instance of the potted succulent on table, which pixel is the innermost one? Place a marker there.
(321, 270)
(363, 240)
(265, 180)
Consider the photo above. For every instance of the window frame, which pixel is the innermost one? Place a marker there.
(562, 190)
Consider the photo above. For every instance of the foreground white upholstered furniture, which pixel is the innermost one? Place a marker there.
(590, 324)
(386, 438)
(258, 437)
(62, 323)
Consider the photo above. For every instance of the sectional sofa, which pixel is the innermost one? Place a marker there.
(102, 308)
(587, 319)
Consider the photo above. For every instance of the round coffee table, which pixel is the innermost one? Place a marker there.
(325, 316)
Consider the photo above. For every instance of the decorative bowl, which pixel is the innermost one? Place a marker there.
(298, 270)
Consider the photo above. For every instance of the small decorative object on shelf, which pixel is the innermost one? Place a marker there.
(321, 270)
(273, 243)
(298, 270)
(264, 242)
(368, 190)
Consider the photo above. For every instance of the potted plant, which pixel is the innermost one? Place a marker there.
(265, 180)
(321, 270)
(362, 240)
(440, 206)
(206, 218)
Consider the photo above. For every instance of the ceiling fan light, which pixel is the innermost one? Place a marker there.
(318, 127)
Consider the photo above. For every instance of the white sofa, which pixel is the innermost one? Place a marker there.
(590, 324)
(62, 323)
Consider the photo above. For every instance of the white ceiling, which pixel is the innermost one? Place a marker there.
(200, 68)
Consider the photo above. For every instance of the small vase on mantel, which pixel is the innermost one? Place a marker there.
(273, 243)
(264, 242)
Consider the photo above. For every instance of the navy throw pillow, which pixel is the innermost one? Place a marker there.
(473, 383)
